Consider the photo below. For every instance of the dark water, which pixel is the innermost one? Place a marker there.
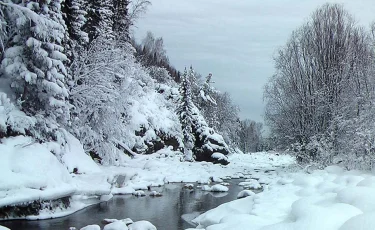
(164, 212)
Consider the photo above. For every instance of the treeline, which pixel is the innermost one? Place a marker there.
(320, 99)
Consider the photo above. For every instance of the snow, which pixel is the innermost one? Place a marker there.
(329, 199)
(215, 188)
(91, 227)
(245, 193)
(142, 225)
(250, 184)
(75, 157)
(30, 171)
(3, 228)
(219, 156)
(117, 225)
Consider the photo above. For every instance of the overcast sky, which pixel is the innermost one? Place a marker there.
(234, 40)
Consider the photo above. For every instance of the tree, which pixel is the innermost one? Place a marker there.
(324, 62)
(34, 61)
(121, 21)
(74, 17)
(250, 135)
(99, 19)
(185, 113)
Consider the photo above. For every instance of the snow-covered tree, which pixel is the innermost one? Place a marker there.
(185, 113)
(33, 60)
(74, 16)
(99, 19)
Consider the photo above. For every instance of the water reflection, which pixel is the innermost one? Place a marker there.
(172, 211)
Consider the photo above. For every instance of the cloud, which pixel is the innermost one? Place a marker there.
(235, 40)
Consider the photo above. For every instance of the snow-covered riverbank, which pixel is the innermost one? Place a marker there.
(30, 172)
(330, 199)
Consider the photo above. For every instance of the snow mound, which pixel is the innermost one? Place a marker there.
(142, 225)
(219, 156)
(155, 193)
(117, 225)
(245, 193)
(3, 228)
(250, 184)
(75, 158)
(139, 193)
(29, 171)
(91, 227)
(361, 222)
(215, 188)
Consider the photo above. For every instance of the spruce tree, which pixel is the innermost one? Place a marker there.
(74, 16)
(185, 113)
(33, 61)
(100, 19)
(121, 21)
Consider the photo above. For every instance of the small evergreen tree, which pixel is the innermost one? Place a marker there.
(184, 111)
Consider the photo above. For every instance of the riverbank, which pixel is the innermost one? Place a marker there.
(329, 199)
(28, 179)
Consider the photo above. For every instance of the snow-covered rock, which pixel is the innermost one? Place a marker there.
(91, 227)
(139, 193)
(215, 188)
(117, 225)
(245, 193)
(189, 186)
(142, 225)
(250, 184)
(155, 193)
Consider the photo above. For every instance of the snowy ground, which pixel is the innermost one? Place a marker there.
(330, 199)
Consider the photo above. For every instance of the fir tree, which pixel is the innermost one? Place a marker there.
(185, 113)
(99, 19)
(33, 60)
(74, 16)
(121, 21)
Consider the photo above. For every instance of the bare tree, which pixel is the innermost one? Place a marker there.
(325, 63)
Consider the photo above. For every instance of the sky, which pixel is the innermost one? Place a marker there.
(234, 40)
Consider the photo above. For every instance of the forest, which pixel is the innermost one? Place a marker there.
(73, 68)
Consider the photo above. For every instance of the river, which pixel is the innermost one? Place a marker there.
(172, 211)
